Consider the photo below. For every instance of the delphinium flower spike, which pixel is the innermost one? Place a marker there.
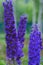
(35, 44)
(21, 32)
(9, 26)
(13, 47)
(22, 28)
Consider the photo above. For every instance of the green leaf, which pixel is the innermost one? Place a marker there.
(2, 62)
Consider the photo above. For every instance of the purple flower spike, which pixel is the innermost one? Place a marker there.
(11, 35)
(22, 28)
(35, 44)
(21, 33)
(10, 30)
(13, 46)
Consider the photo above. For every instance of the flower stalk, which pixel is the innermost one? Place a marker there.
(35, 45)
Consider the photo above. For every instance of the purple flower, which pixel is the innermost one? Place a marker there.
(21, 33)
(22, 29)
(35, 44)
(13, 47)
(9, 27)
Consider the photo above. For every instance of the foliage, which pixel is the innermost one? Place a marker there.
(22, 8)
(2, 62)
(1, 11)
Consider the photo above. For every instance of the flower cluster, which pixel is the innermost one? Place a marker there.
(9, 28)
(22, 29)
(21, 32)
(13, 47)
(35, 44)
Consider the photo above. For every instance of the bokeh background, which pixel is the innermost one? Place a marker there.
(20, 7)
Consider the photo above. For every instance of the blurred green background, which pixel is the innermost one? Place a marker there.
(20, 7)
